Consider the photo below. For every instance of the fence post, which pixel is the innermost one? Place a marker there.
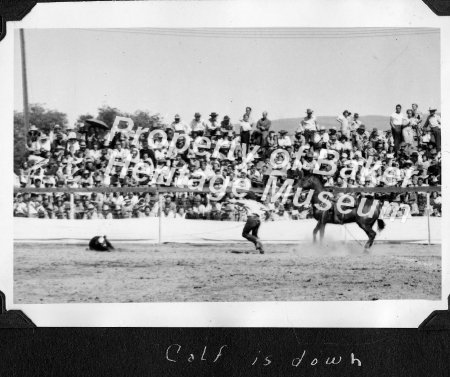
(72, 209)
(428, 217)
(159, 215)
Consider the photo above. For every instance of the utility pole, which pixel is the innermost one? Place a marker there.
(26, 115)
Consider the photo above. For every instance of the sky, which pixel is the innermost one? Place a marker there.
(282, 71)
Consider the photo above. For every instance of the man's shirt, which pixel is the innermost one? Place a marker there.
(199, 125)
(309, 124)
(263, 124)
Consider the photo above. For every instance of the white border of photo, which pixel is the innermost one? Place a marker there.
(311, 13)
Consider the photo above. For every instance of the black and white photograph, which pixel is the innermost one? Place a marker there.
(213, 164)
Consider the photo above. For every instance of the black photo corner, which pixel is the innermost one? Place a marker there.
(29, 350)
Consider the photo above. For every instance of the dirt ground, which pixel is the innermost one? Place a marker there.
(59, 273)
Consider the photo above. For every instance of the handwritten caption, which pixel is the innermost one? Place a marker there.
(177, 353)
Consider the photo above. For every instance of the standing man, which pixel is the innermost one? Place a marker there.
(396, 122)
(345, 120)
(262, 130)
(416, 114)
(245, 129)
(309, 126)
(256, 212)
(248, 112)
(356, 122)
(434, 122)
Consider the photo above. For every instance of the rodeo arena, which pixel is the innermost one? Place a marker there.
(215, 209)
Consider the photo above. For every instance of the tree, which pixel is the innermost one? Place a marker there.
(107, 114)
(44, 119)
(82, 118)
(142, 118)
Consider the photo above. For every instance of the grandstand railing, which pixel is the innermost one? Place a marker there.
(160, 190)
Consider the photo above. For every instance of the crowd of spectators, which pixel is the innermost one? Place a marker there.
(78, 156)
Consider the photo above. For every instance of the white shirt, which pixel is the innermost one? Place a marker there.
(345, 125)
(122, 154)
(253, 207)
(309, 124)
(245, 126)
(435, 121)
(95, 154)
(397, 119)
(212, 125)
(180, 126)
(198, 126)
(284, 141)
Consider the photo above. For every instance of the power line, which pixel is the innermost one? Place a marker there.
(283, 31)
(270, 34)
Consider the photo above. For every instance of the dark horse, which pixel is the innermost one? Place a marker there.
(331, 216)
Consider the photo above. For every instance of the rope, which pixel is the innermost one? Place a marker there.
(351, 234)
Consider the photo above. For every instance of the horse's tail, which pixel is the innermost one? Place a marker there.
(380, 224)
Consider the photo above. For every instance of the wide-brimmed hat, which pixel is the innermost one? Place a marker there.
(309, 111)
(213, 114)
(432, 108)
(196, 115)
(283, 132)
(33, 128)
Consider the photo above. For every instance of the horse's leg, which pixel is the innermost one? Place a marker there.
(370, 233)
(322, 231)
(316, 229)
(373, 235)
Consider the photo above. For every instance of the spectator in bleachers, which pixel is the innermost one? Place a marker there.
(262, 130)
(78, 157)
(309, 126)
